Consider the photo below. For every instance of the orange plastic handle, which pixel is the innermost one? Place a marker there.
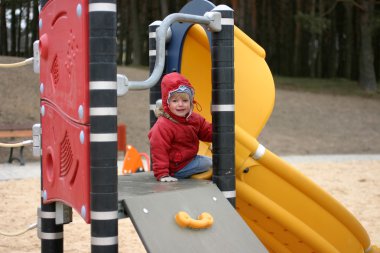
(205, 220)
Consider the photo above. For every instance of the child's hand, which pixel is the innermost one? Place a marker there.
(168, 179)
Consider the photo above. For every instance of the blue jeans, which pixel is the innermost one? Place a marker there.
(198, 165)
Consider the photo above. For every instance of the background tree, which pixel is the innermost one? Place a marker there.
(3, 28)
(367, 76)
(13, 27)
(27, 28)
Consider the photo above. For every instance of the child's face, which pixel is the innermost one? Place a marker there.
(179, 104)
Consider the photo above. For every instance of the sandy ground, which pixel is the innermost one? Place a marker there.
(301, 124)
(352, 183)
(20, 201)
(355, 184)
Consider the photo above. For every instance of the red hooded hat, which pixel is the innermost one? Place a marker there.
(173, 83)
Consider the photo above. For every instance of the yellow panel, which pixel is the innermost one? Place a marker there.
(196, 66)
(254, 86)
(302, 207)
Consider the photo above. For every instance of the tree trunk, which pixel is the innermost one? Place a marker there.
(19, 29)
(333, 50)
(348, 41)
(297, 41)
(34, 24)
(367, 77)
(146, 13)
(321, 8)
(128, 47)
(3, 29)
(13, 28)
(241, 15)
(122, 29)
(26, 32)
(254, 18)
(313, 44)
(269, 31)
(284, 29)
(164, 8)
(135, 32)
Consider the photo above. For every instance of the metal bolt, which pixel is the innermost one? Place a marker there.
(43, 110)
(44, 195)
(41, 88)
(79, 10)
(145, 210)
(81, 137)
(83, 212)
(80, 112)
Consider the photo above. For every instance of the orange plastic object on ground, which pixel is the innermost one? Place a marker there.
(133, 162)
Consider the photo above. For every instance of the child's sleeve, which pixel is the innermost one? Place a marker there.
(205, 131)
(160, 139)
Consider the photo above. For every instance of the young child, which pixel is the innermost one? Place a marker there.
(174, 138)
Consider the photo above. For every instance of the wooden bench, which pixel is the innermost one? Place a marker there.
(16, 132)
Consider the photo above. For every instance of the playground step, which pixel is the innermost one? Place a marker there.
(152, 207)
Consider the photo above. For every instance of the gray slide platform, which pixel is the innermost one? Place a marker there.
(152, 206)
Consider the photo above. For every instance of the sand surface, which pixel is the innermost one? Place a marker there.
(353, 183)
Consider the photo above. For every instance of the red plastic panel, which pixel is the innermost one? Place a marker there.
(65, 160)
(64, 57)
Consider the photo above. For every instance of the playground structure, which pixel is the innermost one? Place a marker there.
(284, 209)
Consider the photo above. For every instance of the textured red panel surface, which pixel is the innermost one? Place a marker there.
(64, 57)
(65, 104)
(65, 160)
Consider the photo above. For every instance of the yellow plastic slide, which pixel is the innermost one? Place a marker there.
(285, 209)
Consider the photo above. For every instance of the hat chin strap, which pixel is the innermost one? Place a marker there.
(191, 111)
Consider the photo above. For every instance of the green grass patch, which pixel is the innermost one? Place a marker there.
(338, 86)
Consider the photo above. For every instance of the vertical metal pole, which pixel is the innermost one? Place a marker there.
(223, 105)
(51, 235)
(155, 91)
(103, 125)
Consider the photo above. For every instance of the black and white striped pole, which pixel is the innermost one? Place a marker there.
(50, 233)
(103, 126)
(223, 104)
(155, 91)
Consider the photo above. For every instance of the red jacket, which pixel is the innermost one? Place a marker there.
(174, 143)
